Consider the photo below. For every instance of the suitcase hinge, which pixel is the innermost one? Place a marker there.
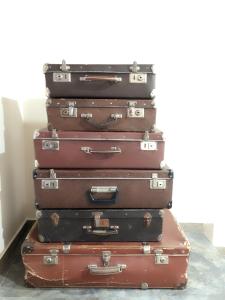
(136, 77)
(134, 112)
(160, 258)
(70, 111)
(157, 183)
(51, 259)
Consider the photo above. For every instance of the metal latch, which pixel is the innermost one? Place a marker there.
(106, 256)
(136, 77)
(98, 222)
(157, 183)
(51, 259)
(103, 189)
(61, 77)
(50, 145)
(146, 144)
(134, 112)
(50, 184)
(64, 67)
(160, 258)
(147, 219)
(69, 112)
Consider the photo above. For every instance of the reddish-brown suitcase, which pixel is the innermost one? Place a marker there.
(101, 114)
(110, 265)
(105, 188)
(99, 81)
(98, 150)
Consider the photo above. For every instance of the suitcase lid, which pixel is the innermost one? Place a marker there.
(99, 68)
(155, 136)
(173, 242)
(101, 103)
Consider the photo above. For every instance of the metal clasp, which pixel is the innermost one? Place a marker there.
(160, 258)
(134, 68)
(106, 256)
(157, 183)
(70, 111)
(64, 67)
(134, 112)
(51, 259)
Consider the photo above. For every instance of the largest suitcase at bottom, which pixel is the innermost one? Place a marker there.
(109, 265)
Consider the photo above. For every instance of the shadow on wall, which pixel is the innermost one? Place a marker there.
(12, 170)
(34, 117)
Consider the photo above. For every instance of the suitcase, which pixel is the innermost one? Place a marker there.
(101, 114)
(103, 188)
(98, 150)
(91, 225)
(99, 81)
(109, 265)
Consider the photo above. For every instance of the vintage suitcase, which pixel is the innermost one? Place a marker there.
(98, 150)
(91, 225)
(109, 265)
(105, 188)
(99, 81)
(101, 114)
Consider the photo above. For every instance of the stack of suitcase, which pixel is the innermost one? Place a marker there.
(102, 191)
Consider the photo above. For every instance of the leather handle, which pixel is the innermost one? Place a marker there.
(102, 232)
(94, 200)
(113, 118)
(107, 270)
(101, 78)
(112, 150)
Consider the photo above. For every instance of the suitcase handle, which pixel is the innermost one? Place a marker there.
(112, 150)
(94, 200)
(112, 119)
(101, 78)
(107, 270)
(102, 232)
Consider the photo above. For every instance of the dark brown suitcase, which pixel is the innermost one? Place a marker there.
(109, 265)
(91, 225)
(99, 81)
(98, 150)
(103, 188)
(101, 114)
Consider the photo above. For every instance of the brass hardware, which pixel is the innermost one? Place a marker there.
(147, 219)
(55, 219)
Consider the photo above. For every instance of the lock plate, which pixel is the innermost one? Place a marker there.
(68, 112)
(49, 184)
(50, 259)
(148, 146)
(157, 183)
(161, 259)
(61, 77)
(134, 112)
(138, 78)
(50, 145)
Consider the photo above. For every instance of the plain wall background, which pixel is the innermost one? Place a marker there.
(185, 41)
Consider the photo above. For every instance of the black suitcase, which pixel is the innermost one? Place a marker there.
(121, 225)
(99, 81)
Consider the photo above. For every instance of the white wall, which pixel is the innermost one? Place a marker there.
(185, 39)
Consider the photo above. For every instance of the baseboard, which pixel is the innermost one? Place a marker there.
(15, 241)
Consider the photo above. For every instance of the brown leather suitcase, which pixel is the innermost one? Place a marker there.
(91, 225)
(98, 150)
(109, 265)
(101, 114)
(99, 81)
(105, 188)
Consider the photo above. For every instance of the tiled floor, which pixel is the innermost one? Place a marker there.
(206, 279)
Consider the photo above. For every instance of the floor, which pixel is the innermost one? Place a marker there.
(206, 279)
